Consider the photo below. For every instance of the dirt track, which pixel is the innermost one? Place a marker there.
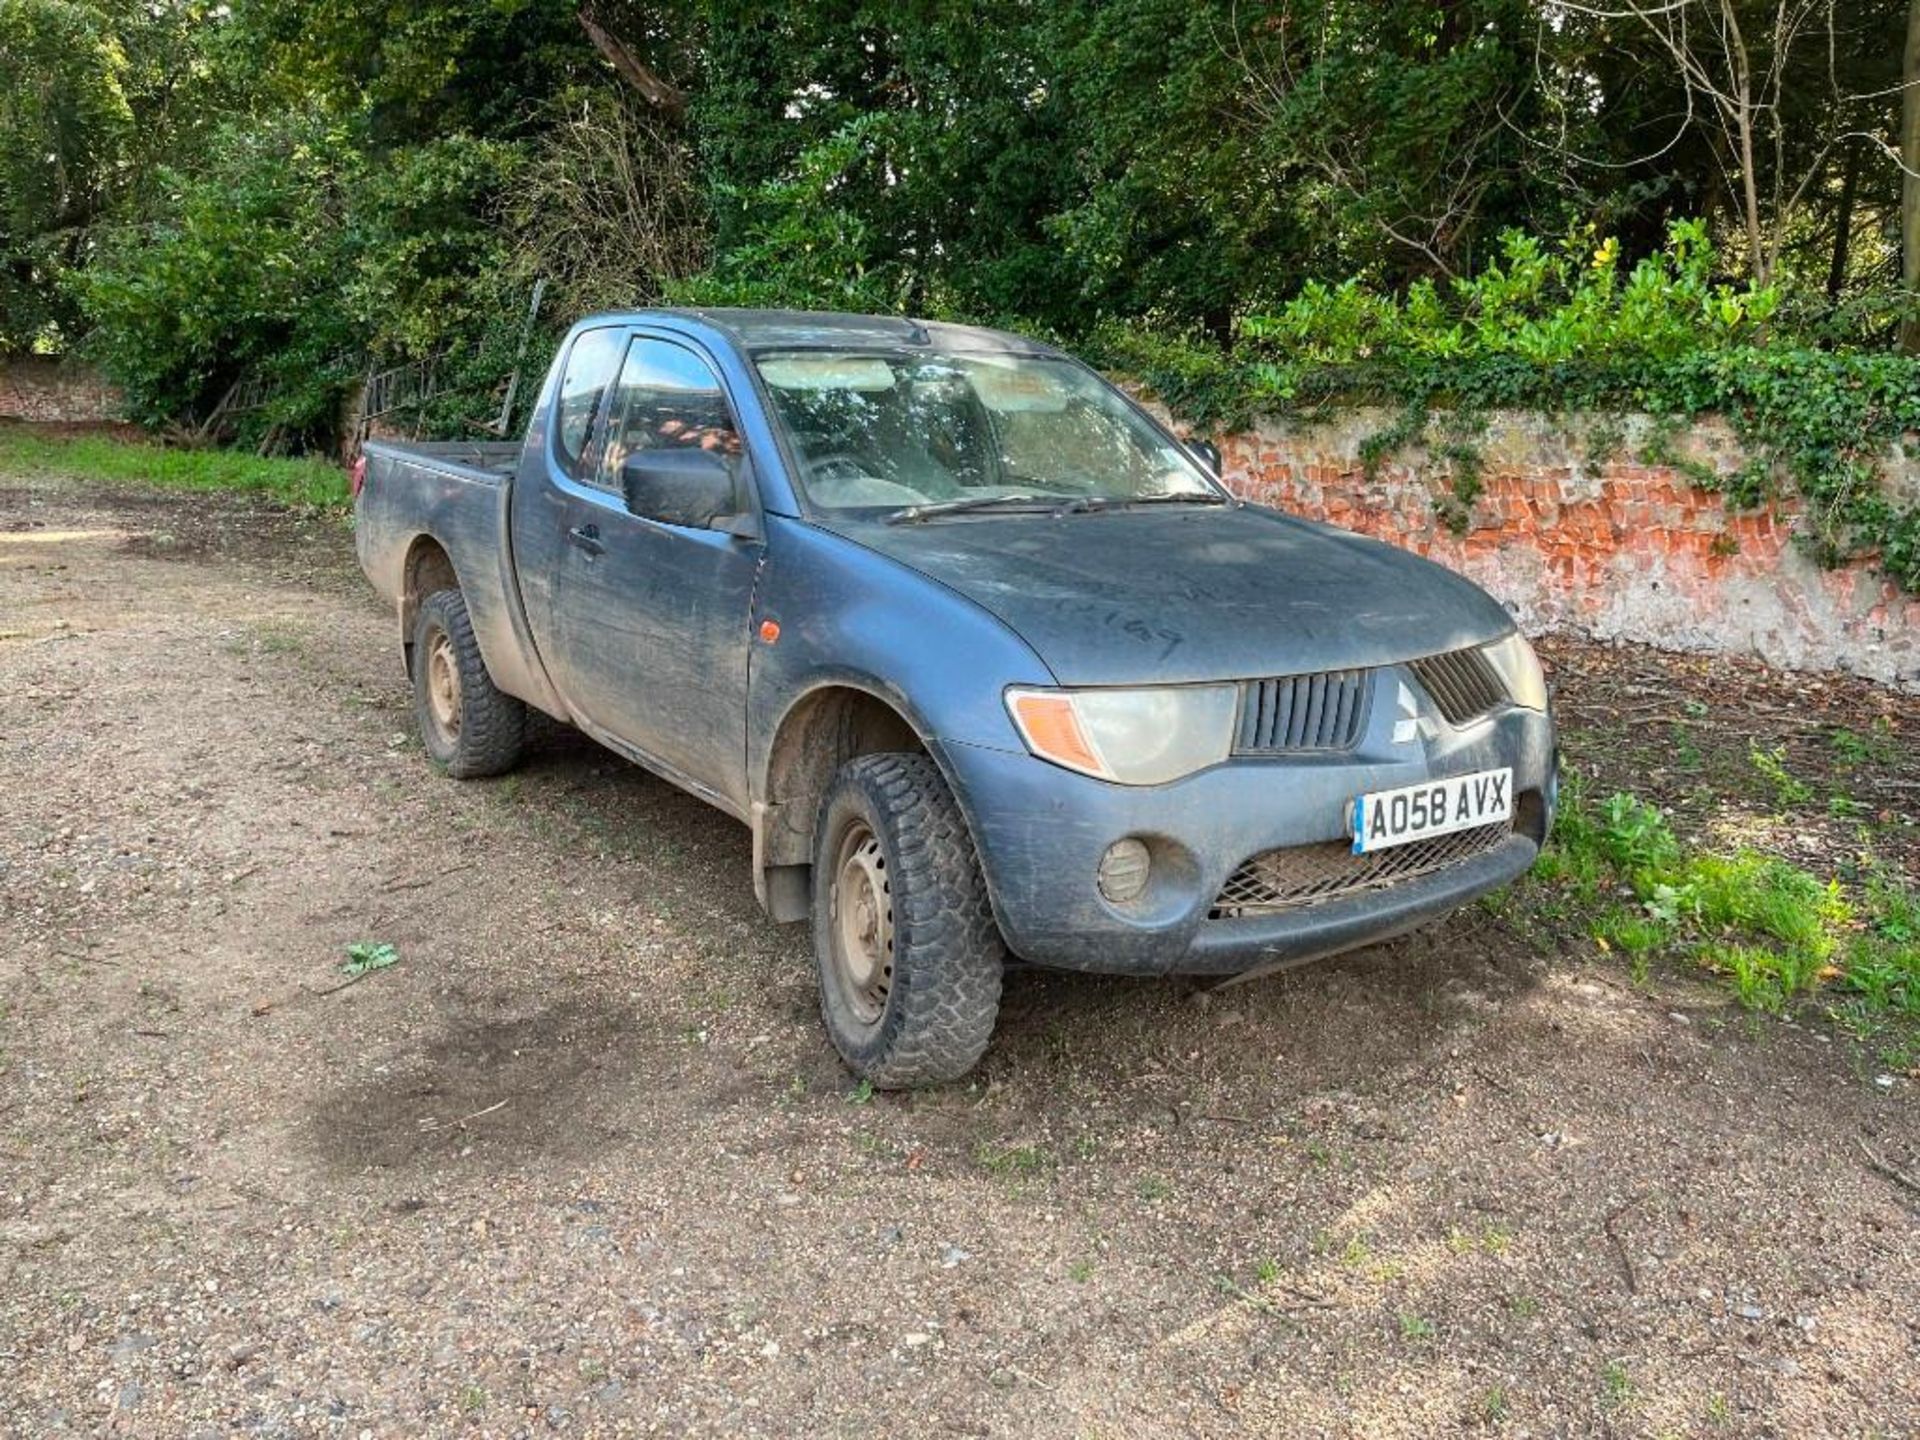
(583, 1163)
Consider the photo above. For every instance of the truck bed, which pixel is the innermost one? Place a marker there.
(492, 460)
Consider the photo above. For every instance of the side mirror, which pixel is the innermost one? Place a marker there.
(681, 486)
(1208, 452)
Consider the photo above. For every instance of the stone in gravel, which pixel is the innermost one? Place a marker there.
(128, 1346)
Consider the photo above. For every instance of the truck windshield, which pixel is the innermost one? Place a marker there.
(949, 433)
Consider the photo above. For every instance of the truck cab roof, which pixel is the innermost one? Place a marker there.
(757, 330)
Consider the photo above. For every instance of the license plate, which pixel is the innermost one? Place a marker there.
(1437, 807)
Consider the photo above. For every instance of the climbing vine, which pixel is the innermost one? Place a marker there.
(1567, 333)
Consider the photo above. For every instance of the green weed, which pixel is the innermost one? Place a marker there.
(366, 956)
(1013, 1160)
(1788, 789)
(1616, 1385)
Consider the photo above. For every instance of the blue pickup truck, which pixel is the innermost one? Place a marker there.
(987, 660)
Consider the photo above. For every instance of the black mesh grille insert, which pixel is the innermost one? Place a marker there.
(1303, 875)
(1325, 711)
(1463, 683)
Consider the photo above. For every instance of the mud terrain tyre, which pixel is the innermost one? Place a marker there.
(910, 958)
(468, 726)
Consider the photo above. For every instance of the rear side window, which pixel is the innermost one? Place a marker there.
(591, 366)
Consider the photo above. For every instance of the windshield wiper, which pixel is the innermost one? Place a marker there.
(1085, 504)
(915, 513)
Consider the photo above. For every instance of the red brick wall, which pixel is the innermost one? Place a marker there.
(47, 390)
(1611, 547)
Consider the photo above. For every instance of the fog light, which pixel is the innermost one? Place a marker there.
(1123, 871)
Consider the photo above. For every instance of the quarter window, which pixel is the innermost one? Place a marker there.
(590, 370)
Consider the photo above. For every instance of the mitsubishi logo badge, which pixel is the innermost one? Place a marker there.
(1412, 723)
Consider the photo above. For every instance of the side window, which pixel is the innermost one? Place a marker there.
(668, 399)
(590, 369)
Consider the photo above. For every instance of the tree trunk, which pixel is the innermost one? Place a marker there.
(1909, 185)
(657, 92)
(1843, 223)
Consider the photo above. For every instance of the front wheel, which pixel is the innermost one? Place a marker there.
(909, 955)
(467, 724)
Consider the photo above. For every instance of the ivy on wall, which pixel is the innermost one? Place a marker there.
(1565, 333)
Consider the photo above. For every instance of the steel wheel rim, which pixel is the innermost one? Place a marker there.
(443, 686)
(861, 924)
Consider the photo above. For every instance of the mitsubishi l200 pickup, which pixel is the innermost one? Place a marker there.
(987, 660)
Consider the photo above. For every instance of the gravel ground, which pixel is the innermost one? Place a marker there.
(582, 1162)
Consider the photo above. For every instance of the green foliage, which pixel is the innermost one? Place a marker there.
(295, 192)
(97, 458)
(294, 260)
(94, 96)
(1535, 330)
(797, 245)
(366, 956)
(1789, 789)
(1774, 931)
(1542, 307)
(224, 282)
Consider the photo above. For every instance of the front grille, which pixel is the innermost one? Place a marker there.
(1303, 875)
(1463, 683)
(1325, 711)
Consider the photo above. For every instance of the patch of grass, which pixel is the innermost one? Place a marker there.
(1791, 791)
(101, 457)
(1415, 1327)
(1636, 934)
(1080, 1271)
(1493, 1405)
(1851, 748)
(1616, 1385)
(1774, 932)
(1154, 1188)
(861, 1094)
(1013, 1160)
(1494, 1240)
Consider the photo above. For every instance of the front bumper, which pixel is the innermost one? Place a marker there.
(1041, 832)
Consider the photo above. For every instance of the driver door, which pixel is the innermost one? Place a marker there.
(650, 619)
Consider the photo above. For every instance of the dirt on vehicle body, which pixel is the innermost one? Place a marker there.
(988, 661)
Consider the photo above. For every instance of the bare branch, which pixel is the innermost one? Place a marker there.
(656, 91)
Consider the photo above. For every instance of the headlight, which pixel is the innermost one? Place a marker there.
(1131, 737)
(1519, 670)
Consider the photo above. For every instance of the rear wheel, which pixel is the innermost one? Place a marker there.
(467, 724)
(909, 955)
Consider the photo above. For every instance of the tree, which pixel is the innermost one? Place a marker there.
(1777, 88)
(1910, 177)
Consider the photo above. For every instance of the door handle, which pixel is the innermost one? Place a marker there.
(587, 537)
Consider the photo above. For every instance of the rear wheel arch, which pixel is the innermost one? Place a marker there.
(427, 570)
